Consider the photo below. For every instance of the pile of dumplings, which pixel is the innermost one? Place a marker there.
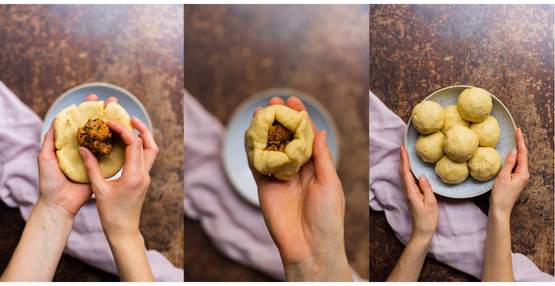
(460, 139)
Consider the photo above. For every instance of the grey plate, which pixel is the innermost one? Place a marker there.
(77, 95)
(470, 187)
(234, 156)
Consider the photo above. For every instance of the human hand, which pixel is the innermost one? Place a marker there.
(56, 190)
(119, 201)
(422, 202)
(508, 185)
(305, 214)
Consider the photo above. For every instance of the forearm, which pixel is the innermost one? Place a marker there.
(410, 263)
(497, 255)
(41, 245)
(334, 267)
(130, 257)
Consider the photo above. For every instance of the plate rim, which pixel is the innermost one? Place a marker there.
(265, 93)
(409, 122)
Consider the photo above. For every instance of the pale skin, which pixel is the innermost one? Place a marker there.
(510, 182)
(305, 214)
(119, 203)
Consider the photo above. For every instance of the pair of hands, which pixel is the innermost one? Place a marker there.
(119, 202)
(506, 189)
(305, 214)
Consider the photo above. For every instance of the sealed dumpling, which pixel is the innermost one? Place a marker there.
(279, 141)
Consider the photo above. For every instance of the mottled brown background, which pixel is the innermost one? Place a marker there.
(45, 50)
(507, 50)
(232, 52)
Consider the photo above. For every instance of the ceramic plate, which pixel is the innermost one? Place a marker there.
(470, 187)
(234, 156)
(77, 95)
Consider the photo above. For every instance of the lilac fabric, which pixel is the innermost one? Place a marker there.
(19, 147)
(459, 239)
(236, 228)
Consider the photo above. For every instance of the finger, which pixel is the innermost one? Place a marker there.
(149, 144)
(323, 162)
(295, 103)
(125, 134)
(406, 174)
(133, 151)
(509, 164)
(256, 111)
(522, 155)
(92, 168)
(110, 100)
(91, 97)
(48, 149)
(426, 188)
(276, 100)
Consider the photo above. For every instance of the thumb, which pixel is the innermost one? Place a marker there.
(509, 164)
(91, 165)
(323, 163)
(426, 189)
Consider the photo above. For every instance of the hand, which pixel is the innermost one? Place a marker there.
(508, 185)
(422, 202)
(305, 214)
(119, 201)
(56, 190)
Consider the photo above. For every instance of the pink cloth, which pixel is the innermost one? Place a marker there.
(236, 227)
(459, 239)
(19, 146)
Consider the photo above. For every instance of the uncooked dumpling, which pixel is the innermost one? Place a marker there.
(451, 172)
(460, 143)
(430, 147)
(485, 164)
(66, 124)
(452, 118)
(474, 104)
(279, 141)
(488, 131)
(427, 117)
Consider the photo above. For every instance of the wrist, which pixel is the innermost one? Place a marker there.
(56, 212)
(420, 241)
(122, 239)
(499, 214)
(322, 267)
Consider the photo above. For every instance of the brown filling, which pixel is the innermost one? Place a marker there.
(278, 137)
(95, 136)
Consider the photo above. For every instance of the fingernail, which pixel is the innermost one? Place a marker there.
(83, 152)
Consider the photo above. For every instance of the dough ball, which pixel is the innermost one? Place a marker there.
(430, 147)
(452, 118)
(474, 104)
(66, 126)
(460, 143)
(451, 172)
(485, 164)
(488, 131)
(279, 141)
(427, 117)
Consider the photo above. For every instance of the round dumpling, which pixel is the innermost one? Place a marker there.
(474, 104)
(451, 172)
(452, 118)
(427, 117)
(430, 147)
(485, 164)
(460, 143)
(488, 131)
(66, 126)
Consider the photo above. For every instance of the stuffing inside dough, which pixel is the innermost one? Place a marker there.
(278, 137)
(95, 136)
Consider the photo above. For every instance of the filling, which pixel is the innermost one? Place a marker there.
(278, 137)
(96, 137)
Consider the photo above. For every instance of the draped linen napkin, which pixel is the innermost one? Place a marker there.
(19, 147)
(236, 227)
(460, 236)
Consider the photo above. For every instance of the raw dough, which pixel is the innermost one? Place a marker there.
(451, 172)
(488, 131)
(485, 164)
(427, 117)
(67, 147)
(460, 143)
(430, 147)
(452, 118)
(474, 104)
(280, 164)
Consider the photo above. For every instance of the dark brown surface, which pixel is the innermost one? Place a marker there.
(507, 50)
(45, 50)
(233, 52)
